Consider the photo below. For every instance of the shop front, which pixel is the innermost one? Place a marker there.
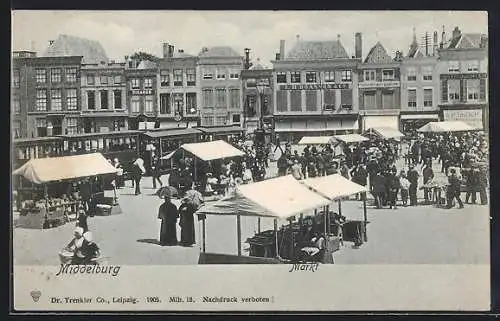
(294, 129)
(411, 122)
(473, 117)
(378, 121)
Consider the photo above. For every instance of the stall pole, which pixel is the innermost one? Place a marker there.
(327, 219)
(325, 211)
(203, 227)
(340, 207)
(276, 236)
(365, 216)
(238, 232)
(258, 224)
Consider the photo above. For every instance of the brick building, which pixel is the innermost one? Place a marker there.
(463, 74)
(220, 69)
(179, 90)
(315, 89)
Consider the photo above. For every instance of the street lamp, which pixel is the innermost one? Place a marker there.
(261, 87)
(260, 132)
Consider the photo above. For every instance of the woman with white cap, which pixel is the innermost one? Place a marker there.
(75, 246)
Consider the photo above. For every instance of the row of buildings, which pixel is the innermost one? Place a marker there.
(315, 87)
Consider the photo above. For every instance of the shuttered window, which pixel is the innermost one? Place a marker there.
(329, 99)
(296, 100)
(311, 100)
(281, 100)
(346, 99)
(444, 91)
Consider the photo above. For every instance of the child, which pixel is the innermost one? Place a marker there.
(405, 185)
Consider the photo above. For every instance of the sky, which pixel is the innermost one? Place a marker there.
(125, 32)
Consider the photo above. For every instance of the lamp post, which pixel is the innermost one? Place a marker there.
(261, 85)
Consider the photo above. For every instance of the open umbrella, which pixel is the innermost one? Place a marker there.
(194, 197)
(167, 191)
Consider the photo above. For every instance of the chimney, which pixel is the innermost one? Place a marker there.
(278, 57)
(282, 50)
(171, 51)
(443, 39)
(434, 43)
(358, 45)
(181, 50)
(204, 49)
(165, 49)
(247, 58)
(51, 42)
(456, 33)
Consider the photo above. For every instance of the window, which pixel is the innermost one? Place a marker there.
(311, 100)
(388, 100)
(179, 104)
(369, 75)
(148, 83)
(117, 98)
(71, 74)
(220, 98)
(234, 98)
(104, 99)
(71, 99)
(191, 77)
(346, 75)
(104, 80)
(282, 100)
(329, 99)
(236, 118)
(135, 104)
(16, 78)
(55, 75)
(221, 74)
(148, 104)
(370, 100)
(296, 100)
(208, 73)
(387, 74)
(250, 106)
(234, 75)
(329, 76)
(412, 98)
(281, 77)
(178, 77)
(135, 83)
(41, 76)
(165, 104)
(55, 100)
(164, 78)
(220, 120)
(117, 79)
(454, 90)
(411, 74)
(16, 106)
(71, 126)
(208, 120)
(428, 97)
(191, 106)
(91, 100)
(16, 128)
(346, 99)
(295, 77)
(90, 79)
(427, 73)
(472, 89)
(208, 98)
(41, 127)
(454, 66)
(41, 100)
(311, 76)
(473, 66)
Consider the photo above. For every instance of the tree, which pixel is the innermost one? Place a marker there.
(141, 56)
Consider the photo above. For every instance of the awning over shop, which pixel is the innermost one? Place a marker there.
(44, 170)
(220, 130)
(350, 138)
(207, 151)
(445, 126)
(171, 133)
(316, 140)
(268, 198)
(103, 134)
(420, 116)
(385, 132)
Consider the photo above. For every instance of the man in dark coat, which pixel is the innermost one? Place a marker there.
(186, 222)
(379, 184)
(168, 214)
(136, 176)
(483, 185)
(413, 178)
(428, 176)
(453, 189)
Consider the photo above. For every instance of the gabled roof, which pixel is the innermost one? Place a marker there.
(467, 41)
(313, 50)
(377, 55)
(219, 52)
(91, 50)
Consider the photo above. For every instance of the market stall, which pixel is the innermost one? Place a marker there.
(46, 176)
(445, 126)
(316, 140)
(350, 138)
(384, 133)
(266, 199)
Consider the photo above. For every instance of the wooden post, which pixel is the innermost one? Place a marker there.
(258, 224)
(325, 211)
(276, 236)
(365, 216)
(238, 232)
(203, 227)
(340, 207)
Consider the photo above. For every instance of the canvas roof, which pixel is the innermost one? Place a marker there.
(44, 170)
(268, 198)
(444, 126)
(315, 140)
(207, 151)
(386, 132)
(333, 186)
(350, 138)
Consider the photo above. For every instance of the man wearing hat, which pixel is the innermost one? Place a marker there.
(413, 178)
(453, 189)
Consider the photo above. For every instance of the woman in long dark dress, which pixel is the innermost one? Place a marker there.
(168, 214)
(186, 212)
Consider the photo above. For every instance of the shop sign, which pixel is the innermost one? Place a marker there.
(463, 115)
(464, 76)
(379, 84)
(314, 86)
(142, 92)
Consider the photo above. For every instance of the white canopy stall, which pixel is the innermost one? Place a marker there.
(445, 126)
(350, 138)
(385, 132)
(316, 140)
